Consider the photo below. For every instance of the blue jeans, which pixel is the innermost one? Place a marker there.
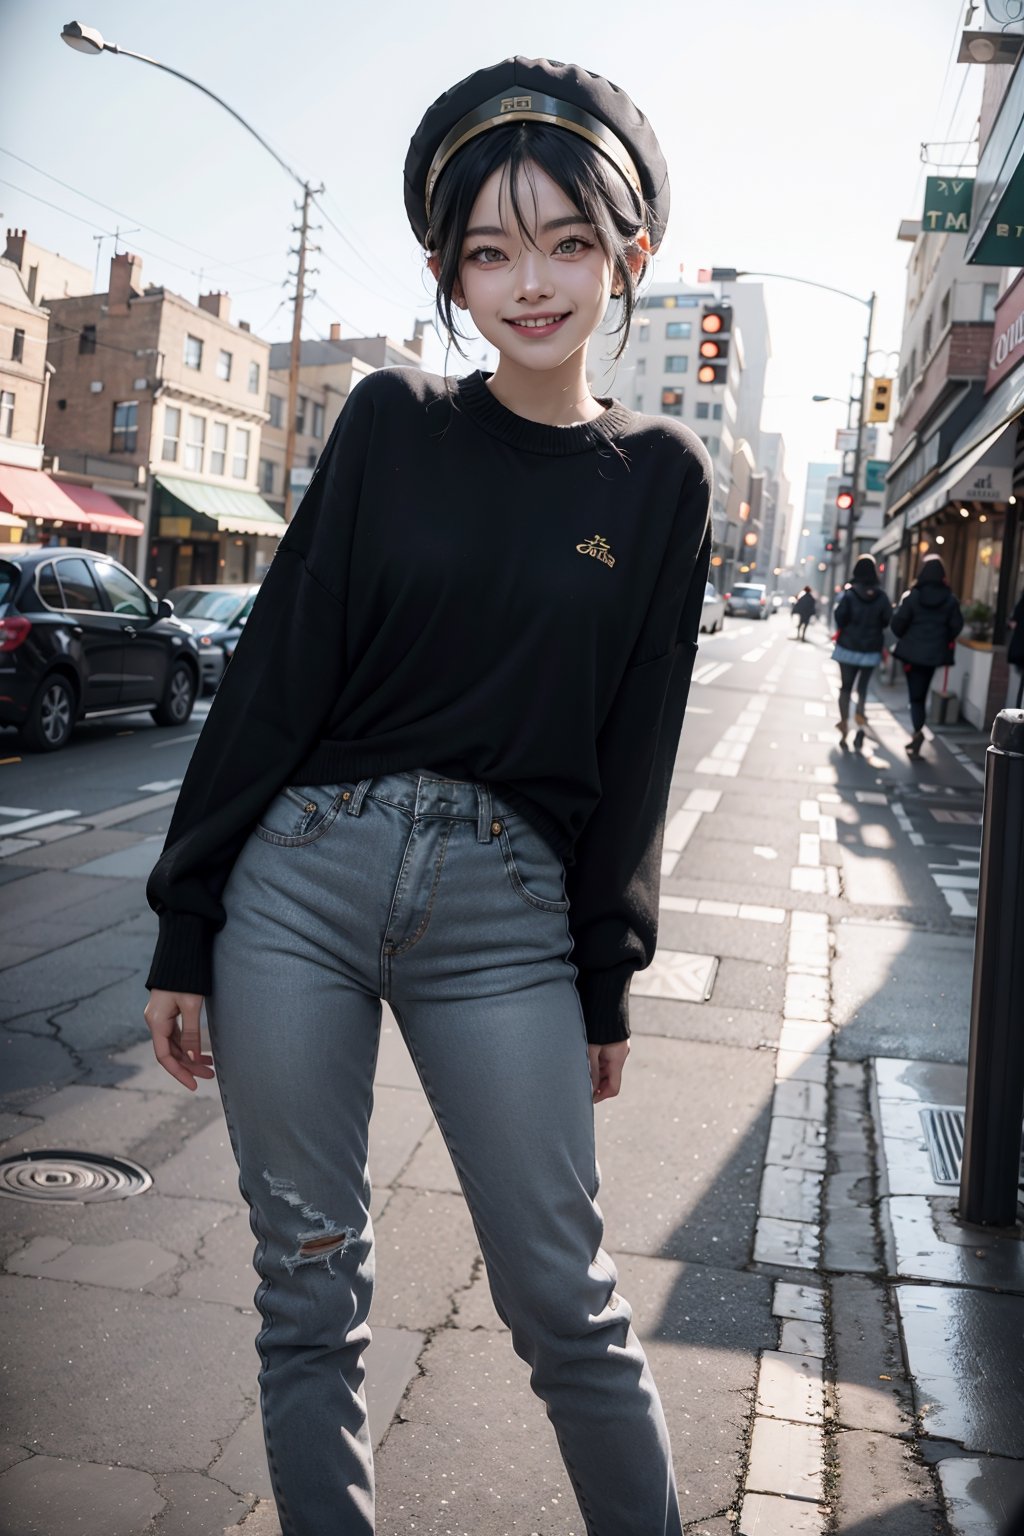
(434, 894)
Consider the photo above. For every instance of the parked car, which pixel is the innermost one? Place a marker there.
(216, 614)
(712, 614)
(79, 635)
(748, 599)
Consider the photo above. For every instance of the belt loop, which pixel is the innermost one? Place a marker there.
(483, 824)
(362, 789)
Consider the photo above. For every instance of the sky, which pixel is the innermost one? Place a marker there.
(792, 131)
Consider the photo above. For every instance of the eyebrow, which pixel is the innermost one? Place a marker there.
(493, 229)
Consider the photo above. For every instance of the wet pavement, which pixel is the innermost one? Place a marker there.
(836, 1353)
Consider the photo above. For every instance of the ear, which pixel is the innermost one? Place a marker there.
(637, 254)
(434, 268)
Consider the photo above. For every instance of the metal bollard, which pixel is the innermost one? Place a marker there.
(995, 1074)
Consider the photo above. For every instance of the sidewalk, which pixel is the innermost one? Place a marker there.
(769, 1197)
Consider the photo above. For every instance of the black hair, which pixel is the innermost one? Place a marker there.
(592, 184)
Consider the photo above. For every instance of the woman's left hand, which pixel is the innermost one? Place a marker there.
(606, 1064)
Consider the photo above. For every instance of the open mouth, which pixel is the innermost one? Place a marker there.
(537, 325)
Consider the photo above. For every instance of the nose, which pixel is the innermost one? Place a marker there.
(534, 277)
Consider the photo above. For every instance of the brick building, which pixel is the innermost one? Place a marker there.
(161, 403)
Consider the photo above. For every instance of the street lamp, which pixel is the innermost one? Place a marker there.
(92, 42)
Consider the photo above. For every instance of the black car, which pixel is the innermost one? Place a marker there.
(79, 635)
(216, 615)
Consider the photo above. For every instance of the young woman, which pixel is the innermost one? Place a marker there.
(438, 766)
(926, 625)
(861, 617)
(804, 609)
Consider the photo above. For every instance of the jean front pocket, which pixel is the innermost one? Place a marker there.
(534, 869)
(301, 813)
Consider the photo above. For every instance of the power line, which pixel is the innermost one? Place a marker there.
(87, 197)
(389, 298)
(391, 275)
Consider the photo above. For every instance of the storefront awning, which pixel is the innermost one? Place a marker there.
(228, 510)
(8, 520)
(32, 493)
(101, 511)
(984, 473)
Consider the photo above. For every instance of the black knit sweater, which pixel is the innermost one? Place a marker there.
(466, 590)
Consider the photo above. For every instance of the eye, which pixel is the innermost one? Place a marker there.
(576, 242)
(483, 254)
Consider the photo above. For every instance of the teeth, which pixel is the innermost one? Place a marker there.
(533, 324)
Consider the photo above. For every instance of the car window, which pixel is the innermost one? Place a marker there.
(747, 591)
(49, 587)
(8, 580)
(79, 588)
(126, 596)
(183, 600)
(220, 606)
(709, 590)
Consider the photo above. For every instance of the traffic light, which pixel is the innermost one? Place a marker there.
(880, 403)
(844, 500)
(715, 333)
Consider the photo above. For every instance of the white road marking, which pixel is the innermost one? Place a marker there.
(175, 741)
(44, 819)
(16, 810)
(711, 672)
(160, 785)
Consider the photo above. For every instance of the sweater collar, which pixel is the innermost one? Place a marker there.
(476, 400)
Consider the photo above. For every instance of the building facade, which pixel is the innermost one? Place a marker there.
(160, 402)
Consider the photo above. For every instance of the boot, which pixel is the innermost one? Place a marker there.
(861, 719)
(842, 726)
(914, 744)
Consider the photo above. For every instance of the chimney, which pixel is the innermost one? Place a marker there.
(15, 247)
(125, 282)
(243, 325)
(335, 331)
(218, 304)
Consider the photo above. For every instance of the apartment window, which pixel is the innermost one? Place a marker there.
(913, 366)
(267, 476)
(641, 367)
(195, 442)
(713, 445)
(671, 402)
(6, 413)
(678, 330)
(989, 295)
(87, 339)
(254, 378)
(172, 433)
(277, 410)
(644, 331)
(638, 403)
(223, 365)
(703, 410)
(300, 414)
(944, 311)
(311, 458)
(318, 421)
(926, 339)
(240, 468)
(219, 448)
(677, 363)
(18, 347)
(716, 413)
(126, 427)
(193, 352)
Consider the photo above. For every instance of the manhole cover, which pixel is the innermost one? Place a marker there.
(70, 1176)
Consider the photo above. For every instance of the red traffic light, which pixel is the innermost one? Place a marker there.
(844, 501)
(712, 321)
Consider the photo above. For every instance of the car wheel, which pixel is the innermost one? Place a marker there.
(51, 716)
(176, 705)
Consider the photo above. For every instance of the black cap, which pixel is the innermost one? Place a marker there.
(544, 91)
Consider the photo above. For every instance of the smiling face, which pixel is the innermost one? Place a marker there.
(537, 293)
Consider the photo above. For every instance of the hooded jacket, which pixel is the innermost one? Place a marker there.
(927, 621)
(862, 615)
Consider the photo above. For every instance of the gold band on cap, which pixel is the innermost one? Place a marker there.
(531, 107)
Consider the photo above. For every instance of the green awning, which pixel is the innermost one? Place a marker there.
(225, 509)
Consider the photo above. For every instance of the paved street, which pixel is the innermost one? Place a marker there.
(816, 943)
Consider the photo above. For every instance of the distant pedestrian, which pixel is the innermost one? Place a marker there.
(805, 607)
(926, 625)
(384, 805)
(1015, 649)
(861, 617)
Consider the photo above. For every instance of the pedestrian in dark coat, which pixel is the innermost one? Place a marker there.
(926, 625)
(805, 608)
(1015, 649)
(861, 617)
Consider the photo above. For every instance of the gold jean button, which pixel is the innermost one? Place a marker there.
(310, 805)
(495, 827)
(346, 794)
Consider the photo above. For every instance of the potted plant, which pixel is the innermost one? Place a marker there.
(978, 618)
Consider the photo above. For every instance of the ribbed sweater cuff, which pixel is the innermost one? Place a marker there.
(182, 960)
(605, 999)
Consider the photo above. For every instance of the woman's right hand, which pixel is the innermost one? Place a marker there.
(173, 1021)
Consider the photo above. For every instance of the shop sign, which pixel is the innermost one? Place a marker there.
(175, 528)
(1007, 335)
(874, 476)
(947, 205)
(846, 439)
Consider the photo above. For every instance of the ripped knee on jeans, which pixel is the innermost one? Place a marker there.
(319, 1246)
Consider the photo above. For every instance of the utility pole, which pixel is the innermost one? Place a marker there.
(858, 455)
(296, 348)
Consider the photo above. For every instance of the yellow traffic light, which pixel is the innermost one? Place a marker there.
(880, 403)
